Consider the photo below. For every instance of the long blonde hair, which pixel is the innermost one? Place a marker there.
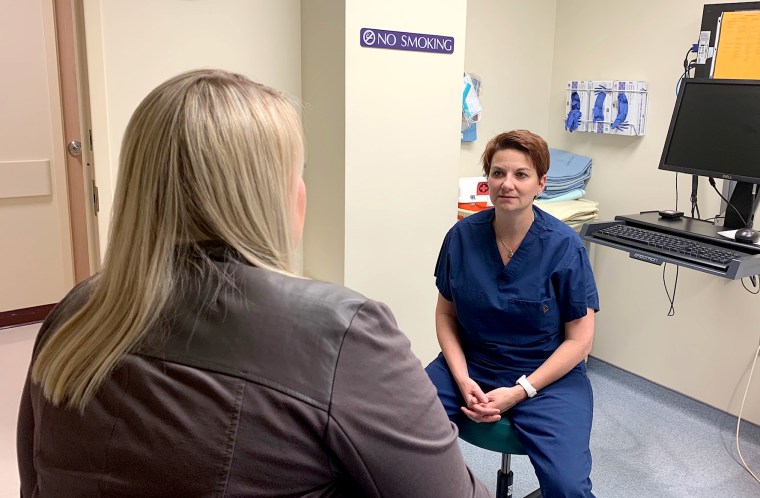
(207, 156)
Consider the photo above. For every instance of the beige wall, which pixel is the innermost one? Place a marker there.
(705, 350)
(133, 45)
(510, 46)
(35, 244)
(323, 87)
(401, 154)
(402, 151)
(400, 142)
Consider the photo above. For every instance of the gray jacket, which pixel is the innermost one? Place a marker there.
(265, 386)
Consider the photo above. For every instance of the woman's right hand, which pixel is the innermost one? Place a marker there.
(477, 408)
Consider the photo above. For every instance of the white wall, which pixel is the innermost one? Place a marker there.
(134, 45)
(705, 350)
(402, 151)
(16, 346)
(510, 45)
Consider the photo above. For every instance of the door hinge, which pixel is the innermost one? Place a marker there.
(95, 198)
(90, 134)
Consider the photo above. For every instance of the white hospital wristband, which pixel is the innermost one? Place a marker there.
(523, 381)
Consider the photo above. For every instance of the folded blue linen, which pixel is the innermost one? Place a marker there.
(566, 165)
(567, 196)
(566, 185)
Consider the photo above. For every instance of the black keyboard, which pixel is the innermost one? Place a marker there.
(670, 245)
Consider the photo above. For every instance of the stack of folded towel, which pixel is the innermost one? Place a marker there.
(567, 176)
(565, 182)
(573, 213)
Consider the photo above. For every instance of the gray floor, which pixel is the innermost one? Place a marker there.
(648, 441)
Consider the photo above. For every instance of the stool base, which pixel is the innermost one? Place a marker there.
(504, 484)
(505, 479)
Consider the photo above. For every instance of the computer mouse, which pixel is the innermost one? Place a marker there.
(670, 214)
(747, 235)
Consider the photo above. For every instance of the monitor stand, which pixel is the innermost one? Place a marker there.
(742, 199)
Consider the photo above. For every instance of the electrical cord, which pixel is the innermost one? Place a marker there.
(687, 67)
(672, 310)
(692, 49)
(686, 74)
(678, 83)
(755, 200)
(741, 410)
(752, 279)
(676, 208)
(695, 207)
(712, 183)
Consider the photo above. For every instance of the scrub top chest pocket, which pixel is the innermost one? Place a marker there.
(530, 322)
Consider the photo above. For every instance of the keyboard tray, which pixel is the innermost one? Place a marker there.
(694, 244)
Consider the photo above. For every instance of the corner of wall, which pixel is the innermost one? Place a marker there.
(323, 70)
(105, 170)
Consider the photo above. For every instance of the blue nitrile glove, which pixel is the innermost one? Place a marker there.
(574, 116)
(599, 105)
(622, 111)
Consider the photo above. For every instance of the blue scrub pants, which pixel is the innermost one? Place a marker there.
(554, 427)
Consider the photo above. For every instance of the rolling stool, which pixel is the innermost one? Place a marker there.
(498, 436)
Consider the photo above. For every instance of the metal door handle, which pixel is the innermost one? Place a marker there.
(74, 147)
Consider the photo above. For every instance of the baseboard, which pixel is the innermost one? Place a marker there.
(726, 413)
(24, 316)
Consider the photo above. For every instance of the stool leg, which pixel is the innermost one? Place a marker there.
(504, 478)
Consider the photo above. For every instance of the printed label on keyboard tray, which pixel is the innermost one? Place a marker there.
(646, 257)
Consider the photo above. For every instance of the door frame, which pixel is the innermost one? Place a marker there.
(82, 189)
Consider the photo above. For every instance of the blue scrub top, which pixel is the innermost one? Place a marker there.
(512, 317)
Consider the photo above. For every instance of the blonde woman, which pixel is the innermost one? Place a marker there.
(196, 363)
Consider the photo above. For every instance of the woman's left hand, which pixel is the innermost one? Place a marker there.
(505, 398)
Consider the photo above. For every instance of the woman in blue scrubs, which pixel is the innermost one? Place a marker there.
(515, 319)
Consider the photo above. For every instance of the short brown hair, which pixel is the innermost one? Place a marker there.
(522, 140)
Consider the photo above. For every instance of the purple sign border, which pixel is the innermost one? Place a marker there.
(402, 40)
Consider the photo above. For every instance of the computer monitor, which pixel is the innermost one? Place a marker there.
(715, 132)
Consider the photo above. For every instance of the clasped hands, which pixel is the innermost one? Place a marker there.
(488, 407)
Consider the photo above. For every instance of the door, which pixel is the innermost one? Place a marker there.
(36, 252)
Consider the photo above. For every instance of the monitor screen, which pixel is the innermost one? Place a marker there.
(715, 130)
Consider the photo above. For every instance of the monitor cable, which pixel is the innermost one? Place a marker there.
(754, 202)
(741, 410)
(671, 299)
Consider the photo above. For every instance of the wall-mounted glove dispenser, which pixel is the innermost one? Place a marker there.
(613, 107)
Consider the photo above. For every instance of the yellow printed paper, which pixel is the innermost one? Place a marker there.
(738, 54)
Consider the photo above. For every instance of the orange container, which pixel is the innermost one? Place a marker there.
(473, 196)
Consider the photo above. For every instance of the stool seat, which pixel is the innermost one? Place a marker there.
(500, 437)
(496, 436)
